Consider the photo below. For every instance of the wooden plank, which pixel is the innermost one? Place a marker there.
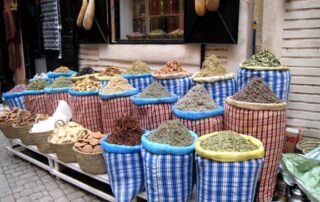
(305, 80)
(301, 62)
(304, 106)
(304, 89)
(304, 98)
(314, 52)
(302, 34)
(301, 43)
(302, 14)
(88, 57)
(301, 24)
(311, 133)
(300, 123)
(305, 71)
(302, 4)
(306, 115)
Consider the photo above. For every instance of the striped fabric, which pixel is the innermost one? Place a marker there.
(202, 126)
(86, 110)
(220, 90)
(17, 101)
(113, 109)
(36, 104)
(232, 181)
(168, 177)
(141, 83)
(104, 82)
(180, 87)
(53, 101)
(125, 173)
(152, 115)
(270, 128)
(279, 81)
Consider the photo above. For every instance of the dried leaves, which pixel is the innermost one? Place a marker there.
(263, 58)
(172, 67)
(117, 84)
(61, 82)
(62, 69)
(37, 84)
(155, 90)
(211, 67)
(138, 67)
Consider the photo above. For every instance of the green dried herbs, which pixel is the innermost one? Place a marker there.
(227, 141)
(37, 84)
(212, 67)
(197, 100)
(173, 133)
(256, 91)
(138, 67)
(263, 58)
(155, 90)
(61, 82)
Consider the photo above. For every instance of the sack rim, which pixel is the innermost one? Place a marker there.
(256, 106)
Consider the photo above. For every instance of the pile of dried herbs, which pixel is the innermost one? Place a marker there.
(110, 71)
(256, 91)
(263, 58)
(155, 90)
(37, 84)
(62, 69)
(227, 141)
(197, 100)
(173, 133)
(211, 67)
(85, 71)
(117, 84)
(61, 82)
(138, 67)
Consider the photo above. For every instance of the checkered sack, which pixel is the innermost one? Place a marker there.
(113, 106)
(125, 170)
(54, 95)
(15, 97)
(35, 101)
(179, 87)
(139, 81)
(267, 125)
(227, 181)
(168, 170)
(278, 80)
(200, 122)
(153, 112)
(86, 109)
(54, 75)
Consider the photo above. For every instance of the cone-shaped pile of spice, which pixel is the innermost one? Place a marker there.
(155, 90)
(117, 84)
(138, 67)
(263, 58)
(211, 67)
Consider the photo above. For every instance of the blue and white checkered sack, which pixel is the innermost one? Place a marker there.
(227, 181)
(179, 86)
(104, 82)
(278, 80)
(125, 170)
(15, 100)
(139, 81)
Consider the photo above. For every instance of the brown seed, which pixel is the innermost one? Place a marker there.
(96, 135)
(94, 142)
(97, 149)
(87, 149)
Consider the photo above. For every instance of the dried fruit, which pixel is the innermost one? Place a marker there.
(87, 84)
(117, 84)
(62, 69)
(90, 143)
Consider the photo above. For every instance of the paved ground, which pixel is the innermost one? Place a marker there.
(23, 182)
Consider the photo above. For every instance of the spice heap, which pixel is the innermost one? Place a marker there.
(263, 58)
(85, 71)
(110, 71)
(9, 116)
(18, 88)
(62, 69)
(87, 84)
(173, 133)
(227, 141)
(61, 82)
(172, 67)
(117, 84)
(37, 84)
(138, 67)
(211, 67)
(68, 133)
(155, 90)
(26, 118)
(90, 143)
(256, 91)
(126, 131)
(197, 100)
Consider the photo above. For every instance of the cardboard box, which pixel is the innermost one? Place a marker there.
(293, 136)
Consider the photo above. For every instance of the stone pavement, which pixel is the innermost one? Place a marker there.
(22, 181)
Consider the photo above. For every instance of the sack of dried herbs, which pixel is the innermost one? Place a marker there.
(198, 112)
(35, 98)
(123, 158)
(60, 71)
(154, 105)
(168, 157)
(232, 156)
(265, 65)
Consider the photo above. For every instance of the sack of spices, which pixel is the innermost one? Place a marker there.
(6, 120)
(214, 77)
(174, 78)
(85, 103)
(57, 91)
(168, 159)
(154, 105)
(256, 111)
(84, 72)
(109, 73)
(139, 75)
(15, 97)
(266, 66)
(123, 158)
(115, 102)
(198, 112)
(60, 71)
(35, 98)
(228, 166)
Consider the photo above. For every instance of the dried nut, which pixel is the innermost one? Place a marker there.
(97, 149)
(96, 135)
(87, 149)
(94, 142)
(79, 144)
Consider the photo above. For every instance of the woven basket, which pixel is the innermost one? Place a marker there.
(64, 151)
(23, 134)
(91, 163)
(41, 140)
(8, 130)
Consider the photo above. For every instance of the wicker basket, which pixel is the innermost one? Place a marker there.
(8, 130)
(41, 140)
(91, 163)
(23, 134)
(64, 151)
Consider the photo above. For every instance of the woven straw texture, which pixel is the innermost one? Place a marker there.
(36, 104)
(53, 101)
(91, 163)
(256, 106)
(7, 130)
(23, 134)
(41, 140)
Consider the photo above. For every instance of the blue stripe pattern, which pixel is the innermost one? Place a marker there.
(141, 83)
(180, 87)
(104, 82)
(231, 181)
(168, 177)
(125, 172)
(17, 101)
(278, 80)
(220, 90)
